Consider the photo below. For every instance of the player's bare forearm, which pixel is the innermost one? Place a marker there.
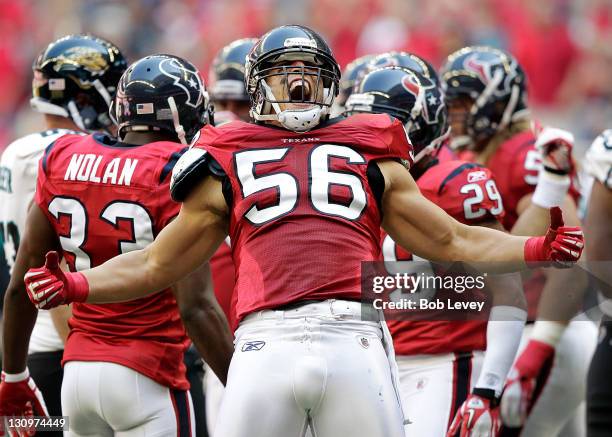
(19, 313)
(204, 320)
(534, 220)
(181, 247)
(426, 230)
(19, 318)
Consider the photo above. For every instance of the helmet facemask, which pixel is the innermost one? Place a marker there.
(297, 96)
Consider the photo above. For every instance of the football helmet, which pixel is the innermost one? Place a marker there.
(226, 78)
(272, 56)
(495, 83)
(76, 77)
(162, 92)
(352, 74)
(405, 60)
(404, 94)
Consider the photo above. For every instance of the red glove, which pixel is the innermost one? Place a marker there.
(556, 145)
(19, 398)
(49, 286)
(519, 393)
(561, 246)
(478, 416)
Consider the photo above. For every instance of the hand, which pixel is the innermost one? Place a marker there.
(556, 145)
(519, 393)
(478, 416)
(562, 245)
(49, 286)
(19, 397)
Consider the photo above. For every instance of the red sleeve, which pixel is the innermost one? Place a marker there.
(396, 138)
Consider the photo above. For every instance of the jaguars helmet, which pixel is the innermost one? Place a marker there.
(76, 77)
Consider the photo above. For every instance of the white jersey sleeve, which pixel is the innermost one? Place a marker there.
(598, 161)
(18, 172)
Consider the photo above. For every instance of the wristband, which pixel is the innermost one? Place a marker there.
(77, 287)
(487, 393)
(504, 332)
(551, 189)
(16, 377)
(548, 332)
(533, 251)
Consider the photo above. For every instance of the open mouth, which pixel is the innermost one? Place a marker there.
(299, 90)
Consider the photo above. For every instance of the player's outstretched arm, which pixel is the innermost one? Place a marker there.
(425, 229)
(180, 248)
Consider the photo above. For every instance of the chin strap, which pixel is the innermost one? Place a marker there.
(76, 115)
(432, 147)
(48, 108)
(178, 127)
(297, 120)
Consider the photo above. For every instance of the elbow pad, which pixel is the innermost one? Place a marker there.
(192, 167)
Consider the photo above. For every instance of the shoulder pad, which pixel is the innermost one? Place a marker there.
(193, 166)
(598, 160)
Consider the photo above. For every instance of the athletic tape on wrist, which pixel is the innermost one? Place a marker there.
(551, 189)
(16, 377)
(548, 332)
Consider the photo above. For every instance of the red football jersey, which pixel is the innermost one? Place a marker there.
(515, 164)
(304, 213)
(224, 280)
(104, 198)
(467, 192)
(446, 154)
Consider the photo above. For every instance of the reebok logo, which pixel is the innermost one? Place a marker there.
(253, 346)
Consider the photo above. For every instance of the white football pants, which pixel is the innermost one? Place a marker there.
(433, 387)
(213, 389)
(106, 399)
(564, 391)
(317, 366)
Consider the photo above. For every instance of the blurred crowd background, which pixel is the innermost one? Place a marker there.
(565, 46)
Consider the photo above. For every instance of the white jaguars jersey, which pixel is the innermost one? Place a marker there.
(18, 170)
(598, 162)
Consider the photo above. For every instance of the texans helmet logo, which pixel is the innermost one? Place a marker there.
(188, 80)
(481, 68)
(411, 84)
